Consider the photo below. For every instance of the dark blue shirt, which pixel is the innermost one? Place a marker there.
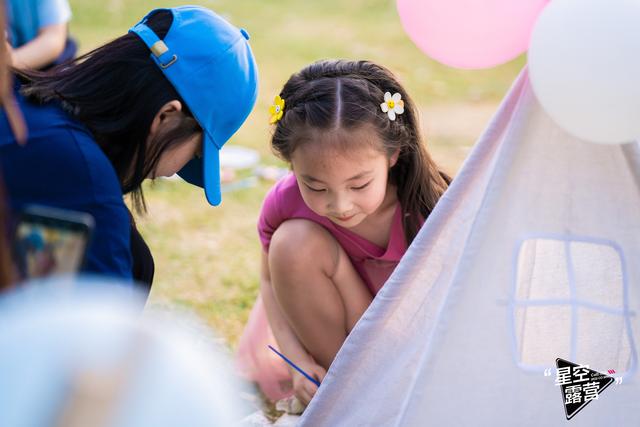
(62, 166)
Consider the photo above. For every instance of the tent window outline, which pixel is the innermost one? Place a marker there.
(573, 302)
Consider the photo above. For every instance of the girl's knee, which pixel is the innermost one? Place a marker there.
(299, 244)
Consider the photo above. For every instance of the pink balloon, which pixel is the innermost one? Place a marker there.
(470, 33)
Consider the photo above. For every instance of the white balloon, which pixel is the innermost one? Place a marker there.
(584, 64)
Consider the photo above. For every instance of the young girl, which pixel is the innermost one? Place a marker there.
(334, 229)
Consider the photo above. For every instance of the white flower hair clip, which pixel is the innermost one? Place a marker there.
(392, 105)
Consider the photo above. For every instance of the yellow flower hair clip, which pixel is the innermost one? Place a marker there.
(276, 110)
(392, 105)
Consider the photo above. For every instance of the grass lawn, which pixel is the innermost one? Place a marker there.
(207, 259)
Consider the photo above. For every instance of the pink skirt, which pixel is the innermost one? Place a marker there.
(256, 362)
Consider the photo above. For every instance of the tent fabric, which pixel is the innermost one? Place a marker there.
(530, 255)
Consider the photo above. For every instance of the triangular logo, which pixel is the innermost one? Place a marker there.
(579, 385)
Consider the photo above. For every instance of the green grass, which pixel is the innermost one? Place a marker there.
(207, 259)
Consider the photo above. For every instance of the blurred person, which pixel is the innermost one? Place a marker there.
(7, 101)
(16, 123)
(38, 33)
(162, 99)
(160, 369)
(6, 268)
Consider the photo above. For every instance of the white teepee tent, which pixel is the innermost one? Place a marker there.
(532, 254)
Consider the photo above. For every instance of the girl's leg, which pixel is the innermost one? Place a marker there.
(316, 286)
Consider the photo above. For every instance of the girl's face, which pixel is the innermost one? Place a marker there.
(174, 158)
(345, 184)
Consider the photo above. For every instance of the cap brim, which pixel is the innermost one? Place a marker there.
(205, 172)
(211, 159)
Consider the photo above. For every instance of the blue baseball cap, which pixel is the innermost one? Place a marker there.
(210, 64)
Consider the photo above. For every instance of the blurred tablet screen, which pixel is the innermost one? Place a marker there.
(51, 241)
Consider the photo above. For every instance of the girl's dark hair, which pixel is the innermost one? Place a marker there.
(116, 90)
(340, 94)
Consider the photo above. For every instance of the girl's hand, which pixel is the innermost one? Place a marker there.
(304, 389)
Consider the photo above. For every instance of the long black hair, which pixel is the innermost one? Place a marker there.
(344, 94)
(116, 90)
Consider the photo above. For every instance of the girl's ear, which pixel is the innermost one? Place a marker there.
(394, 158)
(161, 117)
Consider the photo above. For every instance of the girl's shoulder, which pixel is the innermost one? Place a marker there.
(284, 198)
(46, 120)
(286, 185)
(284, 202)
(61, 152)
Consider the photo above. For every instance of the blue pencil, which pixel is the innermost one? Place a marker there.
(309, 377)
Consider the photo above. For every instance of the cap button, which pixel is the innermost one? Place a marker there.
(244, 33)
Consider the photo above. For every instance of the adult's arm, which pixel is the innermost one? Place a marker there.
(41, 51)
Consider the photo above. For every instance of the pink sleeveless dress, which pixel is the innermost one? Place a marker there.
(374, 264)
